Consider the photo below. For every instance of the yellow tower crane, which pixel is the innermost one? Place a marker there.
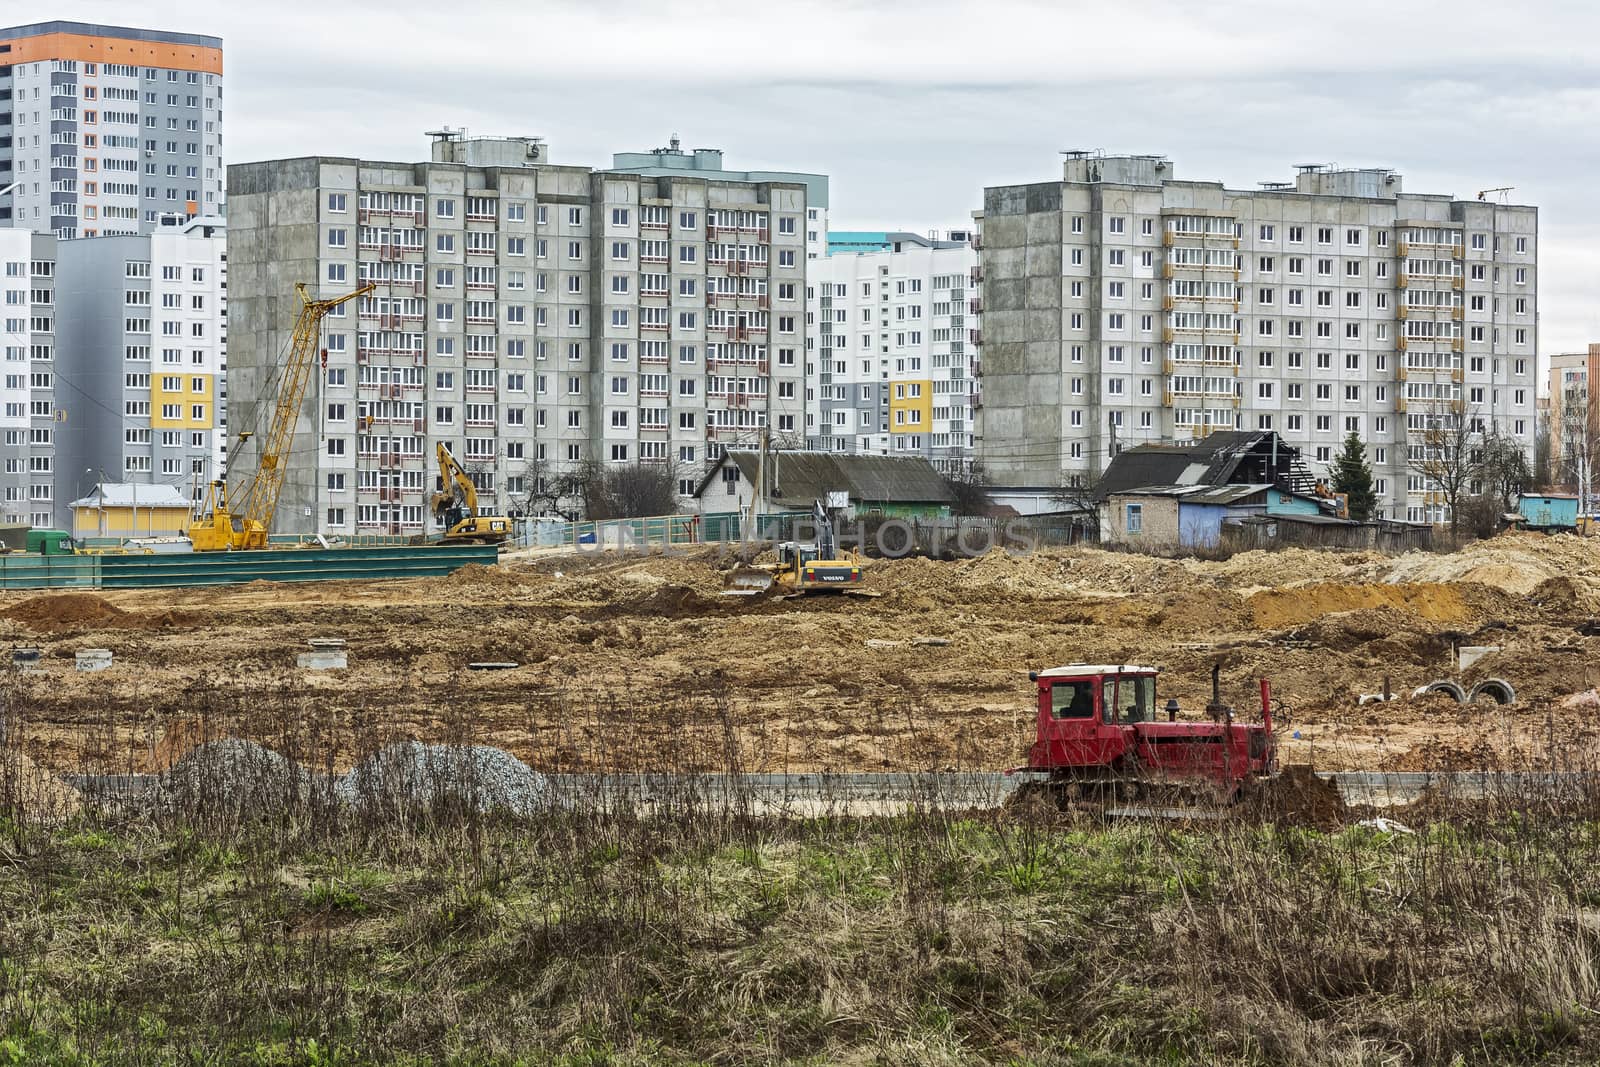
(222, 529)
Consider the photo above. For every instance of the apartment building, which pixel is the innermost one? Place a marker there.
(1123, 305)
(892, 369)
(535, 317)
(27, 383)
(114, 354)
(1570, 399)
(105, 129)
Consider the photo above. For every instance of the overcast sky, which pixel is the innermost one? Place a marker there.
(913, 108)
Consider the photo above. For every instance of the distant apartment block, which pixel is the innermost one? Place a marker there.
(27, 381)
(1572, 401)
(892, 369)
(114, 359)
(535, 317)
(1123, 305)
(107, 130)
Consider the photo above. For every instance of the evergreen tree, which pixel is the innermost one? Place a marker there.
(1353, 477)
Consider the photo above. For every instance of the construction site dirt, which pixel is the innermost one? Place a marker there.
(635, 662)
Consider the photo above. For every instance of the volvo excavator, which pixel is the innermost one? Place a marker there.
(456, 507)
(220, 528)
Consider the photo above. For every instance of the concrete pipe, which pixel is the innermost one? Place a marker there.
(1498, 688)
(1443, 685)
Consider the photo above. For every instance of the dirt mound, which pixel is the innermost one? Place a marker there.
(1280, 608)
(1345, 630)
(478, 576)
(61, 610)
(1290, 567)
(1513, 562)
(32, 792)
(676, 602)
(1298, 797)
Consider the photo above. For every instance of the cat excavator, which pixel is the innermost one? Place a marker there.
(456, 506)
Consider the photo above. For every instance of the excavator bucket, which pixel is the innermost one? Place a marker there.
(746, 581)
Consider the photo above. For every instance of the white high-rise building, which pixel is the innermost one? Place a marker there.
(108, 130)
(114, 358)
(1123, 305)
(892, 369)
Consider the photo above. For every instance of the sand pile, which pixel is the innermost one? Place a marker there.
(1289, 567)
(1514, 562)
(1276, 609)
(32, 792)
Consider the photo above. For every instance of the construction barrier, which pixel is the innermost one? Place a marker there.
(231, 568)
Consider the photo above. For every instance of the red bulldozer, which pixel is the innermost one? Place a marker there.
(1100, 738)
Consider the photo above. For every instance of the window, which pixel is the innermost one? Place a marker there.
(337, 238)
(337, 202)
(1133, 523)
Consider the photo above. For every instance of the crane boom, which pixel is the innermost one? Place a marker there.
(222, 529)
(261, 500)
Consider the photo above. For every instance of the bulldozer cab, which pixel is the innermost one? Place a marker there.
(791, 553)
(1085, 710)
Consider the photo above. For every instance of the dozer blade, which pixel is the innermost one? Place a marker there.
(746, 582)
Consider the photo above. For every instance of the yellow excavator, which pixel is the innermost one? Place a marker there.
(220, 528)
(456, 507)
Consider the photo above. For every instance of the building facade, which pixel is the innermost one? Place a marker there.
(1123, 305)
(536, 318)
(1574, 410)
(892, 367)
(105, 130)
(28, 382)
(114, 356)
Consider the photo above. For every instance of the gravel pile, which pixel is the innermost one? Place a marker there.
(474, 777)
(231, 777)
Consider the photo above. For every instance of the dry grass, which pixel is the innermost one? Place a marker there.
(706, 929)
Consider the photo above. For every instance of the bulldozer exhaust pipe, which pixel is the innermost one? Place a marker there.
(1266, 705)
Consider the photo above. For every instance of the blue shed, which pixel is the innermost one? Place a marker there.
(1555, 511)
(1203, 509)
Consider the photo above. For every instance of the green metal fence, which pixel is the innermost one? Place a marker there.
(660, 531)
(228, 568)
(22, 571)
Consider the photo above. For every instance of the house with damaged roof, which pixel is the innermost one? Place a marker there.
(1182, 495)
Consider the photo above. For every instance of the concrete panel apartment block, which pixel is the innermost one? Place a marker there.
(1123, 305)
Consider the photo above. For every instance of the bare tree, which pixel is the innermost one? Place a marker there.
(625, 491)
(1447, 457)
(1580, 444)
(1501, 470)
(970, 487)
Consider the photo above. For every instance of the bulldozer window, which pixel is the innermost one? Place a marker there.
(1072, 700)
(1108, 700)
(1139, 699)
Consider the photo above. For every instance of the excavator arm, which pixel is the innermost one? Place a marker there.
(458, 492)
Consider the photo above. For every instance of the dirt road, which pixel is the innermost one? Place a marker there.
(636, 663)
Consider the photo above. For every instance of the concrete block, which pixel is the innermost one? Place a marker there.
(323, 661)
(94, 659)
(1470, 654)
